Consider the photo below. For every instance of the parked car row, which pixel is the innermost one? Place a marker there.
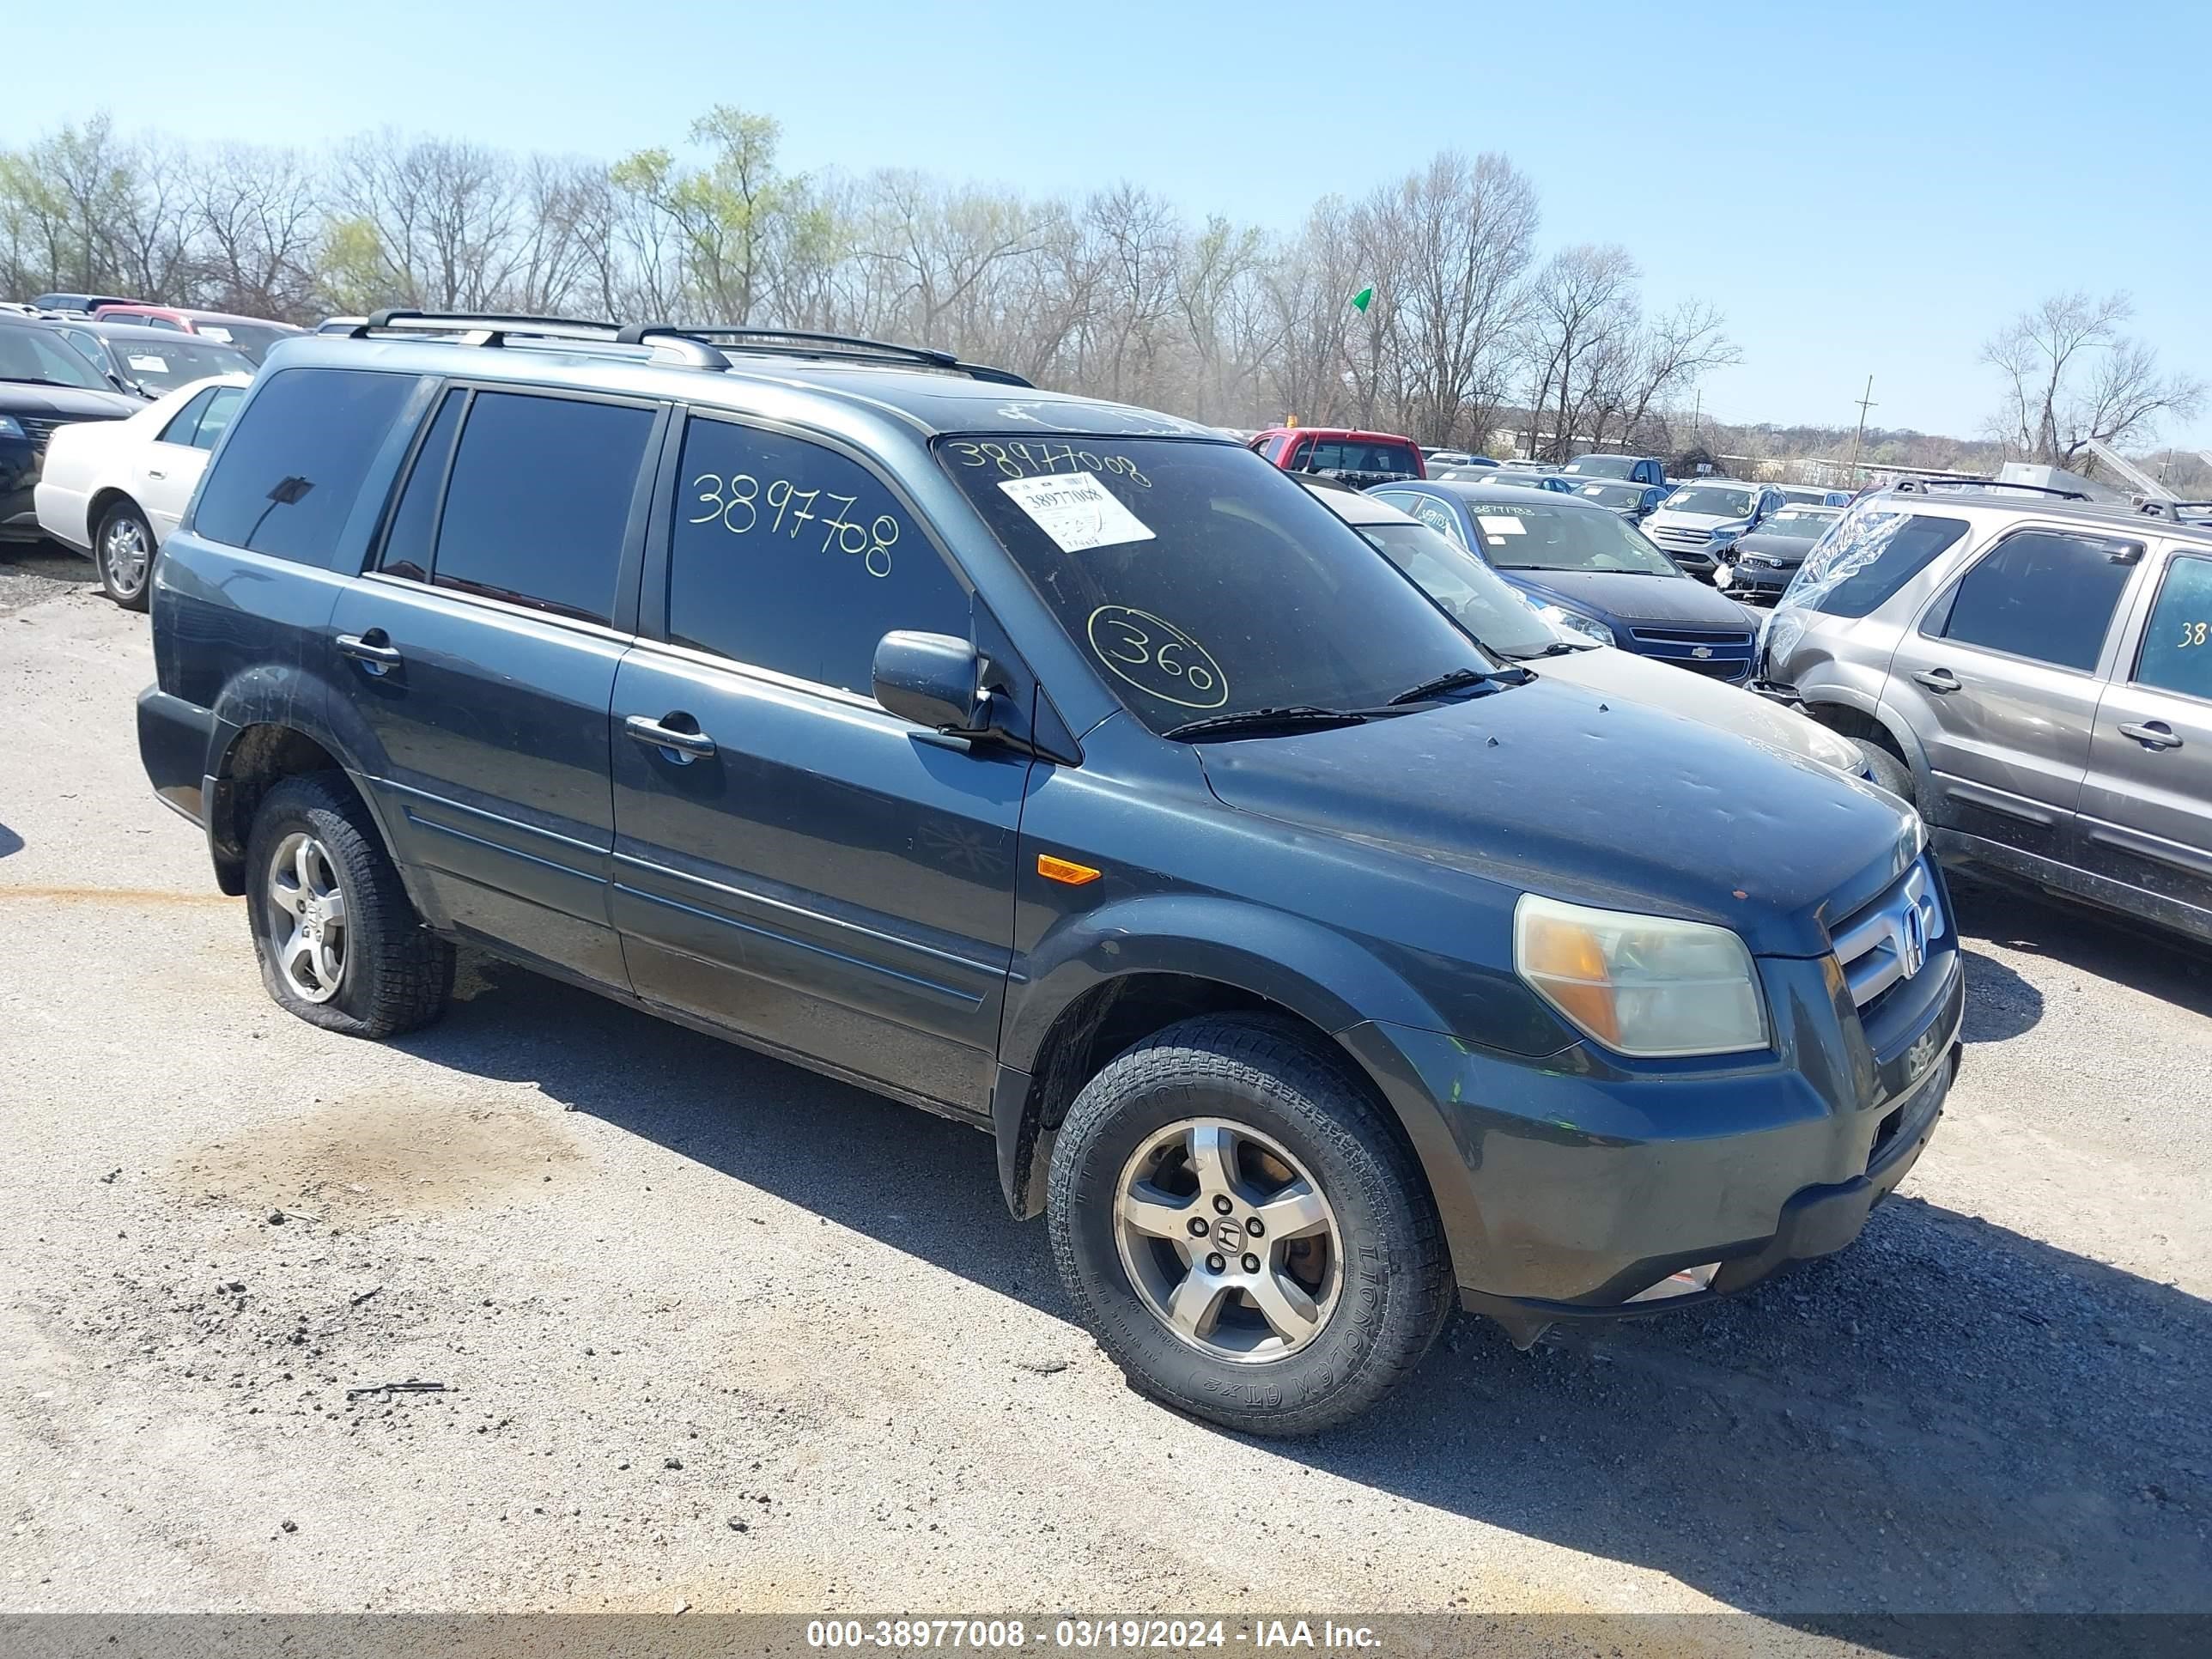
(90, 389)
(1322, 933)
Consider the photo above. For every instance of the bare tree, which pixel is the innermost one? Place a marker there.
(256, 229)
(2070, 376)
(1581, 302)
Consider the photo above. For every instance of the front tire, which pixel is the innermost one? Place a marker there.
(1288, 1328)
(124, 552)
(1891, 773)
(338, 942)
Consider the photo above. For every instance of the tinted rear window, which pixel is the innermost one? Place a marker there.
(286, 479)
(539, 501)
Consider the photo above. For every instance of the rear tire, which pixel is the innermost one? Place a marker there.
(1891, 773)
(338, 942)
(122, 550)
(1219, 1122)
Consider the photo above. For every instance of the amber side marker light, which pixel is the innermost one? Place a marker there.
(1065, 870)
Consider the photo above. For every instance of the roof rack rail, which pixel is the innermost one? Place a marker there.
(2179, 512)
(1907, 486)
(805, 343)
(489, 328)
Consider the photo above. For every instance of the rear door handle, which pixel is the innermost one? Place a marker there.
(656, 734)
(2152, 734)
(155, 472)
(373, 649)
(1938, 679)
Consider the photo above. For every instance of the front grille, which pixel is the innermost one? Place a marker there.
(1724, 654)
(1886, 942)
(1681, 536)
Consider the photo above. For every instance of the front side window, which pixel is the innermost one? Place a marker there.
(1541, 537)
(1866, 555)
(791, 556)
(2043, 595)
(2177, 647)
(287, 480)
(538, 500)
(1200, 582)
(414, 527)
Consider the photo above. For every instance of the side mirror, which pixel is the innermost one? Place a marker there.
(931, 679)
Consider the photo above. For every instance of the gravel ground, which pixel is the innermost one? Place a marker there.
(714, 1332)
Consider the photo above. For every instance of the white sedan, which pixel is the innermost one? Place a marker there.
(114, 490)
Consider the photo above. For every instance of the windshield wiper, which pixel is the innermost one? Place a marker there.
(1458, 679)
(1262, 720)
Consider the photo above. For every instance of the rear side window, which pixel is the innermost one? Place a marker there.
(2040, 595)
(1865, 557)
(2177, 648)
(288, 477)
(215, 418)
(790, 556)
(539, 501)
(186, 420)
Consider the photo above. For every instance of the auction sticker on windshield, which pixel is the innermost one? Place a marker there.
(1499, 524)
(1078, 511)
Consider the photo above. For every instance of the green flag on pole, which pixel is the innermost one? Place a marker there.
(1361, 300)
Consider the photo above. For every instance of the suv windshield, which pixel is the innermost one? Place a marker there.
(42, 357)
(1544, 536)
(164, 364)
(1804, 523)
(1485, 603)
(1712, 500)
(1602, 466)
(1200, 580)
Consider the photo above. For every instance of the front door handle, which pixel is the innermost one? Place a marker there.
(684, 746)
(155, 472)
(373, 650)
(1938, 679)
(2152, 734)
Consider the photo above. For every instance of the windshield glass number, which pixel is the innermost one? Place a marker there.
(1157, 657)
(1016, 459)
(740, 503)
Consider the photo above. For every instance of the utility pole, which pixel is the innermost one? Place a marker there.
(1865, 404)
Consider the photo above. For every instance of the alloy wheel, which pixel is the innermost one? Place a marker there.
(1228, 1240)
(307, 918)
(126, 552)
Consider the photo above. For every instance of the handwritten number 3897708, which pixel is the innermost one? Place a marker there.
(740, 503)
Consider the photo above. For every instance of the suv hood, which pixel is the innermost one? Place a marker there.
(1730, 707)
(1635, 598)
(1551, 788)
(71, 403)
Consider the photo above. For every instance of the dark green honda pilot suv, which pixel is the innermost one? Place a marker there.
(1060, 768)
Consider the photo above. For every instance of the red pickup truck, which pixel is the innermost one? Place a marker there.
(1358, 458)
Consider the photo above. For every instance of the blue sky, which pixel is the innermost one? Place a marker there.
(1861, 190)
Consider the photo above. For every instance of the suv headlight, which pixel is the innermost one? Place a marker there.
(11, 428)
(1646, 986)
(1582, 627)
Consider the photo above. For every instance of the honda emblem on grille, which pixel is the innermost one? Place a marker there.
(1911, 938)
(1701, 651)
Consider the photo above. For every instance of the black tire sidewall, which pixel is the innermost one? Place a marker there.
(134, 600)
(1379, 1326)
(371, 887)
(1889, 772)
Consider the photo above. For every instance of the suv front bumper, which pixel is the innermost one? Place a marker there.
(1570, 1186)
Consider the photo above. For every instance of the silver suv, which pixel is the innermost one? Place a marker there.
(2035, 672)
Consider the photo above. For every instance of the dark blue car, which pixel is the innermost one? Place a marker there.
(1588, 572)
